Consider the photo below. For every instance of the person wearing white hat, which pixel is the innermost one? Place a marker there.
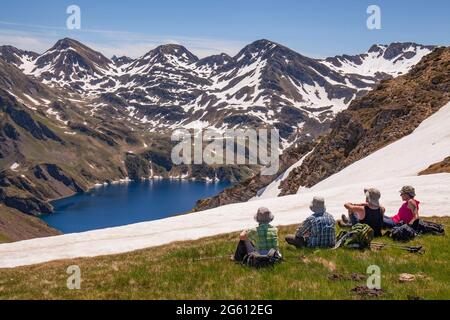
(318, 230)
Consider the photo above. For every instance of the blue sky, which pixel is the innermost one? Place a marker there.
(314, 28)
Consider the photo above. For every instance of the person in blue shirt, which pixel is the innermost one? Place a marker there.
(317, 231)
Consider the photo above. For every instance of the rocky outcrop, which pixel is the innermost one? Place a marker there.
(137, 167)
(23, 119)
(93, 133)
(158, 161)
(14, 56)
(26, 204)
(30, 193)
(440, 167)
(15, 226)
(11, 132)
(53, 173)
(120, 61)
(160, 157)
(385, 115)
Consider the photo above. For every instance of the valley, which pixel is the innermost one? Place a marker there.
(72, 119)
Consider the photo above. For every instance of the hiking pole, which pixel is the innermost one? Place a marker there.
(399, 246)
(412, 249)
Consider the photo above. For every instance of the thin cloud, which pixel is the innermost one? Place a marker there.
(39, 38)
(25, 41)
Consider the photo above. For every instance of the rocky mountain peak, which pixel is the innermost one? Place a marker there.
(123, 60)
(380, 61)
(219, 59)
(214, 63)
(377, 48)
(256, 50)
(76, 49)
(396, 48)
(262, 44)
(71, 65)
(169, 52)
(406, 50)
(67, 43)
(272, 53)
(16, 56)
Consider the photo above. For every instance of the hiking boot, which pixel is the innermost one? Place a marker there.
(342, 224)
(345, 219)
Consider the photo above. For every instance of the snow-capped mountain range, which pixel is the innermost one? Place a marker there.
(71, 118)
(265, 84)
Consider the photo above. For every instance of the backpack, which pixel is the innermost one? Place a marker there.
(359, 237)
(403, 233)
(428, 227)
(257, 260)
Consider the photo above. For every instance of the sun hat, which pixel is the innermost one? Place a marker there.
(264, 215)
(318, 205)
(409, 190)
(373, 196)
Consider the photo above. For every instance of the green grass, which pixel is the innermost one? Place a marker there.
(169, 272)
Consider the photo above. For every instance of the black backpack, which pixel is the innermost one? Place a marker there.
(257, 260)
(402, 233)
(428, 227)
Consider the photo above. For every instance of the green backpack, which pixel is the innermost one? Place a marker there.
(359, 237)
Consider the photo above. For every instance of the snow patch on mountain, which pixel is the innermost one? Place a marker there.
(432, 138)
(273, 190)
(394, 60)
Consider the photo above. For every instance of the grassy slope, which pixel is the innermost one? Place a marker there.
(169, 272)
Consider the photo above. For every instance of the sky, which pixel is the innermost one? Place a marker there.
(317, 29)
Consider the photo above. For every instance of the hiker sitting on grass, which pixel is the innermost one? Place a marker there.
(317, 231)
(261, 239)
(370, 212)
(408, 212)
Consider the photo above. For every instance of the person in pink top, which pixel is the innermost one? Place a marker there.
(408, 212)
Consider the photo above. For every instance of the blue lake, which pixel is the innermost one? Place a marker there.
(123, 204)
